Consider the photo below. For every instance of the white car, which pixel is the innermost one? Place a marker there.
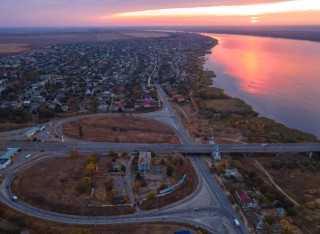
(236, 222)
(264, 145)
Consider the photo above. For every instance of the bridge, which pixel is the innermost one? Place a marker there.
(215, 213)
(103, 147)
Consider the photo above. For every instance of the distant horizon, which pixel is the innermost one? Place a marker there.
(163, 26)
(113, 13)
(297, 32)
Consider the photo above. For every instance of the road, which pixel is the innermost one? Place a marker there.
(211, 215)
(103, 147)
(214, 211)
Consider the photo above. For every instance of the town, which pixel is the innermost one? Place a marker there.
(97, 76)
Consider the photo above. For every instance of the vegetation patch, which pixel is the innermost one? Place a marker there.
(122, 129)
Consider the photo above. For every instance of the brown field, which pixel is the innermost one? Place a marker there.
(232, 104)
(13, 48)
(300, 183)
(146, 34)
(12, 126)
(15, 43)
(56, 188)
(48, 39)
(121, 129)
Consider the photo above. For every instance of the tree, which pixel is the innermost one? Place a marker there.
(122, 173)
(80, 131)
(169, 170)
(108, 183)
(92, 158)
(90, 169)
(84, 184)
(114, 192)
(138, 176)
(45, 113)
(126, 200)
(136, 186)
(151, 195)
(111, 152)
(124, 154)
(153, 154)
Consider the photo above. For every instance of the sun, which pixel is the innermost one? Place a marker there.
(254, 19)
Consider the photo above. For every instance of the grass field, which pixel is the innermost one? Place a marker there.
(231, 104)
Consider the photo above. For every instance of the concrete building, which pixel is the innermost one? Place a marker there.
(144, 162)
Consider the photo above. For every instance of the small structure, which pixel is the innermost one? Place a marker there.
(5, 158)
(234, 174)
(30, 133)
(4, 163)
(216, 154)
(144, 161)
(212, 140)
(244, 198)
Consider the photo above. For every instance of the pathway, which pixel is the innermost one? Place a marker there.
(274, 183)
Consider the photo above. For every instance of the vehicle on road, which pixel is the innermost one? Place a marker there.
(28, 156)
(195, 209)
(264, 145)
(236, 222)
(14, 198)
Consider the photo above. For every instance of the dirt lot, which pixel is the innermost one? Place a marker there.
(298, 176)
(57, 187)
(121, 129)
(12, 126)
(13, 48)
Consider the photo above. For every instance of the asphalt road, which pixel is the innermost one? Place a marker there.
(83, 146)
(214, 211)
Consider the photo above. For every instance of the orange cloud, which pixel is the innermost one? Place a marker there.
(241, 14)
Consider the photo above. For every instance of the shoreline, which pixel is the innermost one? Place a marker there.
(241, 114)
(254, 116)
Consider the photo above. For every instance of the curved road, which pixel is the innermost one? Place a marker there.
(214, 211)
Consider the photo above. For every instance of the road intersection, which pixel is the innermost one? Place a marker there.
(213, 210)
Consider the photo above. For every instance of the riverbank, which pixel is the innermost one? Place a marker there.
(231, 120)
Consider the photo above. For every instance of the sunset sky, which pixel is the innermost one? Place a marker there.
(16, 13)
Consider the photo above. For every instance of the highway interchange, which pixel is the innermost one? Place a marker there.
(214, 212)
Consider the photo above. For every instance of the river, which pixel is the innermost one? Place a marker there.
(279, 78)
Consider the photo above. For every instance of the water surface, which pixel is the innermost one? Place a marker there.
(280, 78)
